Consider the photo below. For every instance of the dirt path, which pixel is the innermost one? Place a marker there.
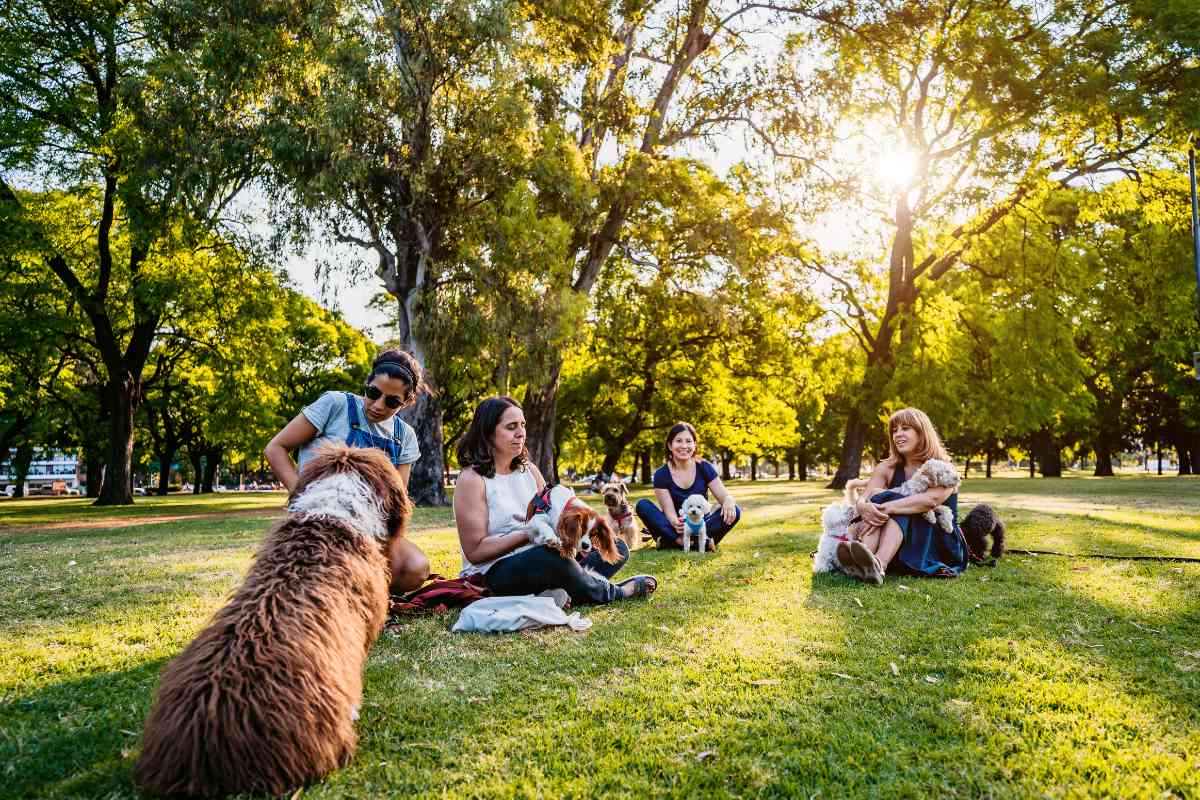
(133, 522)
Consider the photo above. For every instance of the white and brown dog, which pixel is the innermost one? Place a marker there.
(620, 514)
(265, 697)
(561, 521)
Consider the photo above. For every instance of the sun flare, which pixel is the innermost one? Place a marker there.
(897, 167)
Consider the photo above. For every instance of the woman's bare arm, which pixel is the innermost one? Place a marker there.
(725, 499)
(870, 512)
(471, 518)
(918, 503)
(296, 433)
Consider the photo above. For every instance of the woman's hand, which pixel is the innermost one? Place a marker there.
(677, 524)
(728, 510)
(872, 514)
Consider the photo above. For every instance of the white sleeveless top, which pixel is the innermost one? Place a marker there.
(506, 495)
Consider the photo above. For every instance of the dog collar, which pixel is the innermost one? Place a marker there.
(622, 517)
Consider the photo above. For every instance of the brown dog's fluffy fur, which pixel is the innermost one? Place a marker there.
(620, 515)
(264, 699)
(578, 520)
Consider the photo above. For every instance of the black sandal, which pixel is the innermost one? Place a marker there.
(643, 586)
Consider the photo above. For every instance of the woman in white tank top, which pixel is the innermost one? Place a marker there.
(490, 500)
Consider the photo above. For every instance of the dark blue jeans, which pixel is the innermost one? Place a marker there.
(540, 568)
(660, 527)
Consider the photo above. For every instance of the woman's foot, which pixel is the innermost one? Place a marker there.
(845, 560)
(638, 586)
(867, 562)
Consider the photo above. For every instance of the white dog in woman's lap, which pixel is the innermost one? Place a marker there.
(693, 510)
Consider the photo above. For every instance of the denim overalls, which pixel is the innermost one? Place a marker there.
(360, 434)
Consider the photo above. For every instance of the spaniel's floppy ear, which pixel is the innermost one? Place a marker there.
(572, 525)
(604, 540)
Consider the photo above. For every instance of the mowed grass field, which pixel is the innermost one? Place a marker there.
(743, 676)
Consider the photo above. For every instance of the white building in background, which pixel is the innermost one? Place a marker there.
(47, 468)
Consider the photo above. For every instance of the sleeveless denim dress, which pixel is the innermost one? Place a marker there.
(927, 549)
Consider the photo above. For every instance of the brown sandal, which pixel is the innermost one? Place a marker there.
(643, 586)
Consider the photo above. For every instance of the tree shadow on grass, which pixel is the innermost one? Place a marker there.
(76, 738)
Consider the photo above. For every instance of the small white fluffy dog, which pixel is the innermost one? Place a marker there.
(933, 473)
(835, 526)
(694, 508)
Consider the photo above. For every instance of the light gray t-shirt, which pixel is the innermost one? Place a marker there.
(328, 415)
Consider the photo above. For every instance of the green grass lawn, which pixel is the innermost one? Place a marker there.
(743, 676)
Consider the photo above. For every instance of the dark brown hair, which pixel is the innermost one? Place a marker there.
(475, 447)
(676, 429)
(402, 365)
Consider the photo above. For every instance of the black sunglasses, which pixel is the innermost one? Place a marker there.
(373, 392)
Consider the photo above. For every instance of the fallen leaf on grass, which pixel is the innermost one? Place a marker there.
(71, 563)
(930, 679)
(1081, 569)
(895, 669)
(705, 754)
(766, 682)
(842, 675)
(858, 602)
(903, 588)
(1178, 570)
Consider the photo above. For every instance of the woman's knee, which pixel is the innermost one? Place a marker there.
(410, 568)
(645, 507)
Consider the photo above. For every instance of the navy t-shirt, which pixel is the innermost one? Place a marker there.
(706, 473)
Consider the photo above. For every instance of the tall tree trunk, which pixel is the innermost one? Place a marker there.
(93, 464)
(540, 405)
(165, 456)
(802, 463)
(853, 439)
(1158, 447)
(726, 457)
(212, 460)
(646, 477)
(197, 458)
(425, 486)
(1049, 454)
(791, 459)
(988, 464)
(753, 467)
(20, 467)
(1104, 467)
(967, 468)
(122, 395)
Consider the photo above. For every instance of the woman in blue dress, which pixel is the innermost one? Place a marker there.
(682, 475)
(893, 535)
(367, 420)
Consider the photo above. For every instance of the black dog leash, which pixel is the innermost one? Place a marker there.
(1182, 559)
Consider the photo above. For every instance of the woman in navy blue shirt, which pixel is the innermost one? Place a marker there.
(683, 475)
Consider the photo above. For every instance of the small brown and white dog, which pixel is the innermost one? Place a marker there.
(265, 697)
(620, 515)
(561, 521)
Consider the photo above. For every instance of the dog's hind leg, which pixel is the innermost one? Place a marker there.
(703, 543)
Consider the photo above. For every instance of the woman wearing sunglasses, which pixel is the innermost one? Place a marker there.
(367, 420)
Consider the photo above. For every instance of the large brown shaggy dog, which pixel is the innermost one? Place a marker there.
(265, 698)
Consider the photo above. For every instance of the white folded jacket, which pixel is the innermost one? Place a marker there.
(496, 614)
